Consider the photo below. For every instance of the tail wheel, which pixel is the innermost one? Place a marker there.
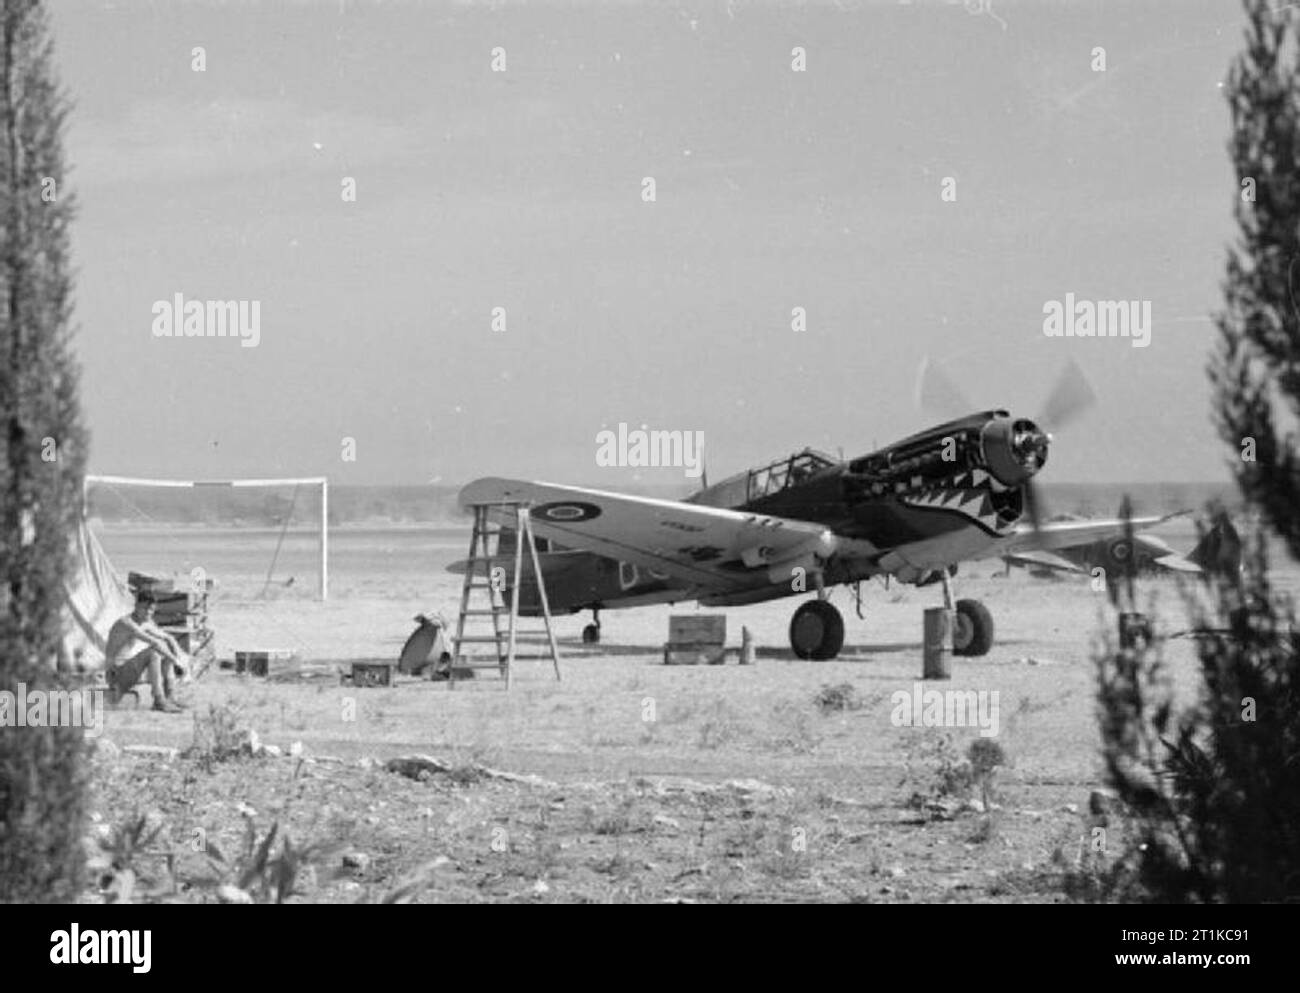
(591, 634)
(972, 632)
(817, 631)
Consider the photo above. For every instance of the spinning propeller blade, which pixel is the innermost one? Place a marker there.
(1070, 396)
(936, 392)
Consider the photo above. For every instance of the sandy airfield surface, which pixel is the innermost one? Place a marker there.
(628, 779)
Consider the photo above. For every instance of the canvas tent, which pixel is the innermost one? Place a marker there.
(94, 597)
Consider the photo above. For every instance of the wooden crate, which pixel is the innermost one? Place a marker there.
(373, 673)
(695, 639)
(261, 661)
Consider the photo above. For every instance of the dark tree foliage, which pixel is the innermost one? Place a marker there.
(1212, 785)
(1255, 371)
(42, 462)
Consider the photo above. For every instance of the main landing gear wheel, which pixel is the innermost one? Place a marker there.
(816, 631)
(972, 630)
(591, 633)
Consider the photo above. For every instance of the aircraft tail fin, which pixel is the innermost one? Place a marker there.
(1219, 550)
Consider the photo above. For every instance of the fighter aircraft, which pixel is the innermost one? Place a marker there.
(803, 524)
(1219, 548)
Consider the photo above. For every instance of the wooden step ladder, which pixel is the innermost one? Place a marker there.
(481, 574)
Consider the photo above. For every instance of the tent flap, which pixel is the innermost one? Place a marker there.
(95, 598)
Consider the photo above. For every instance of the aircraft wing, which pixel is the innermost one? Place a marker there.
(1042, 560)
(1177, 562)
(707, 549)
(1064, 534)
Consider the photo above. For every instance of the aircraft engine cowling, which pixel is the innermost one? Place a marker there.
(1013, 450)
(1010, 450)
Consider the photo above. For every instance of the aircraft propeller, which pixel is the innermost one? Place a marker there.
(1070, 395)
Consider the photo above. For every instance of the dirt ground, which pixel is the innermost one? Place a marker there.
(626, 779)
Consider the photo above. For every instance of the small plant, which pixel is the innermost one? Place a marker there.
(840, 697)
(620, 821)
(986, 832)
(984, 756)
(788, 859)
(414, 884)
(546, 852)
(118, 867)
(1094, 870)
(218, 736)
(719, 727)
(954, 778)
(794, 729)
(952, 775)
(257, 875)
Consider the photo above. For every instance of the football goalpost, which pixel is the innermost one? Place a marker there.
(203, 484)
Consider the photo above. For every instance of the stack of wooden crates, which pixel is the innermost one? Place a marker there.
(182, 613)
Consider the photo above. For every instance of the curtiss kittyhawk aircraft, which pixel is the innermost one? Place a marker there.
(1218, 549)
(805, 523)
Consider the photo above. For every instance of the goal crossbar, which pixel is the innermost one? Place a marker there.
(321, 481)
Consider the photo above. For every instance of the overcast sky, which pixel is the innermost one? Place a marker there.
(523, 189)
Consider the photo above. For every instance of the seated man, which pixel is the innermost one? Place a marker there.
(136, 644)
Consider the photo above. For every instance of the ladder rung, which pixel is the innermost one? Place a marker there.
(492, 659)
(520, 635)
(485, 637)
(479, 612)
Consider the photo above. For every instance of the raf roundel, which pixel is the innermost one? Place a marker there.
(565, 513)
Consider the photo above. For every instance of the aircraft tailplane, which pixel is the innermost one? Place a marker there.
(1219, 550)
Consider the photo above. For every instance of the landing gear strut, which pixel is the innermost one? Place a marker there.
(591, 633)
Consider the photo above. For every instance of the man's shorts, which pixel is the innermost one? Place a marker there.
(125, 675)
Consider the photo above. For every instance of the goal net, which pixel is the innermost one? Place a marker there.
(254, 538)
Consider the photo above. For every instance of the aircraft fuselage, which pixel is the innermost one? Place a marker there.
(937, 496)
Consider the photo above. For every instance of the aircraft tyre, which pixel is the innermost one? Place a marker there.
(591, 634)
(972, 631)
(816, 631)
